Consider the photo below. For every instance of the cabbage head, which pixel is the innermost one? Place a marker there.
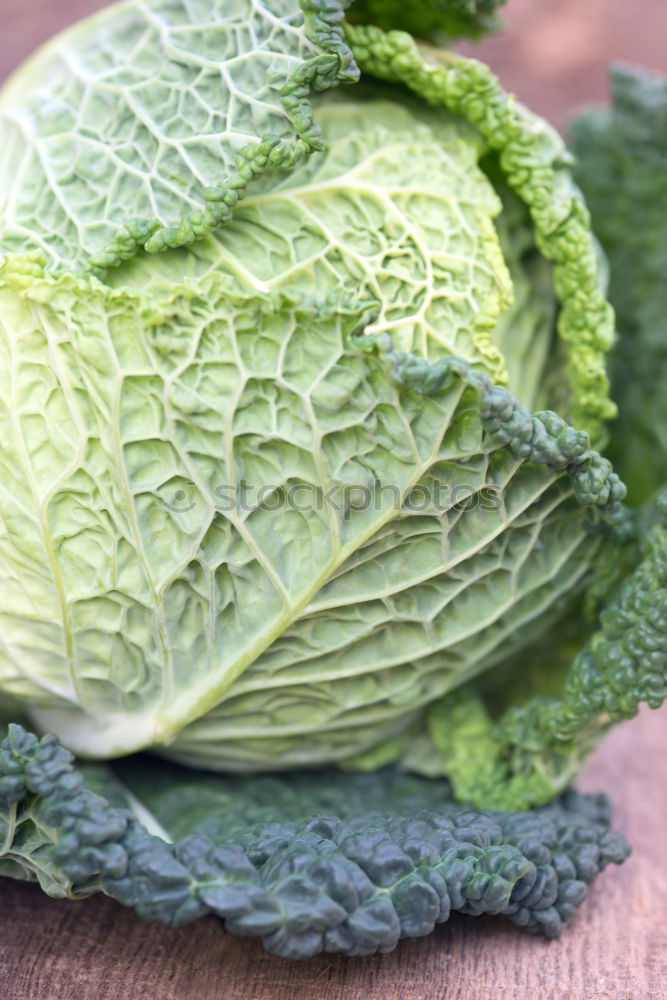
(287, 305)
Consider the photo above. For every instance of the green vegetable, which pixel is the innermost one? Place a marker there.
(439, 19)
(350, 865)
(303, 399)
(273, 487)
(621, 167)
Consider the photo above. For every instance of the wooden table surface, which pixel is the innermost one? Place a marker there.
(614, 949)
(554, 55)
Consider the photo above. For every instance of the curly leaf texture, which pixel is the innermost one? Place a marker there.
(387, 856)
(536, 166)
(535, 748)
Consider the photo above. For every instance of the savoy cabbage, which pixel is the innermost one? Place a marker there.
(303, 391)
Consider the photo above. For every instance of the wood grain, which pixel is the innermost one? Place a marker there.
(554, 55)
(615, 948)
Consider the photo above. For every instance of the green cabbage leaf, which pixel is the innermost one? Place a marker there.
(352, 863)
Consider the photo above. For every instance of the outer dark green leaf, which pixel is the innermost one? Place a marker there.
(622, 168)
(313, 862)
